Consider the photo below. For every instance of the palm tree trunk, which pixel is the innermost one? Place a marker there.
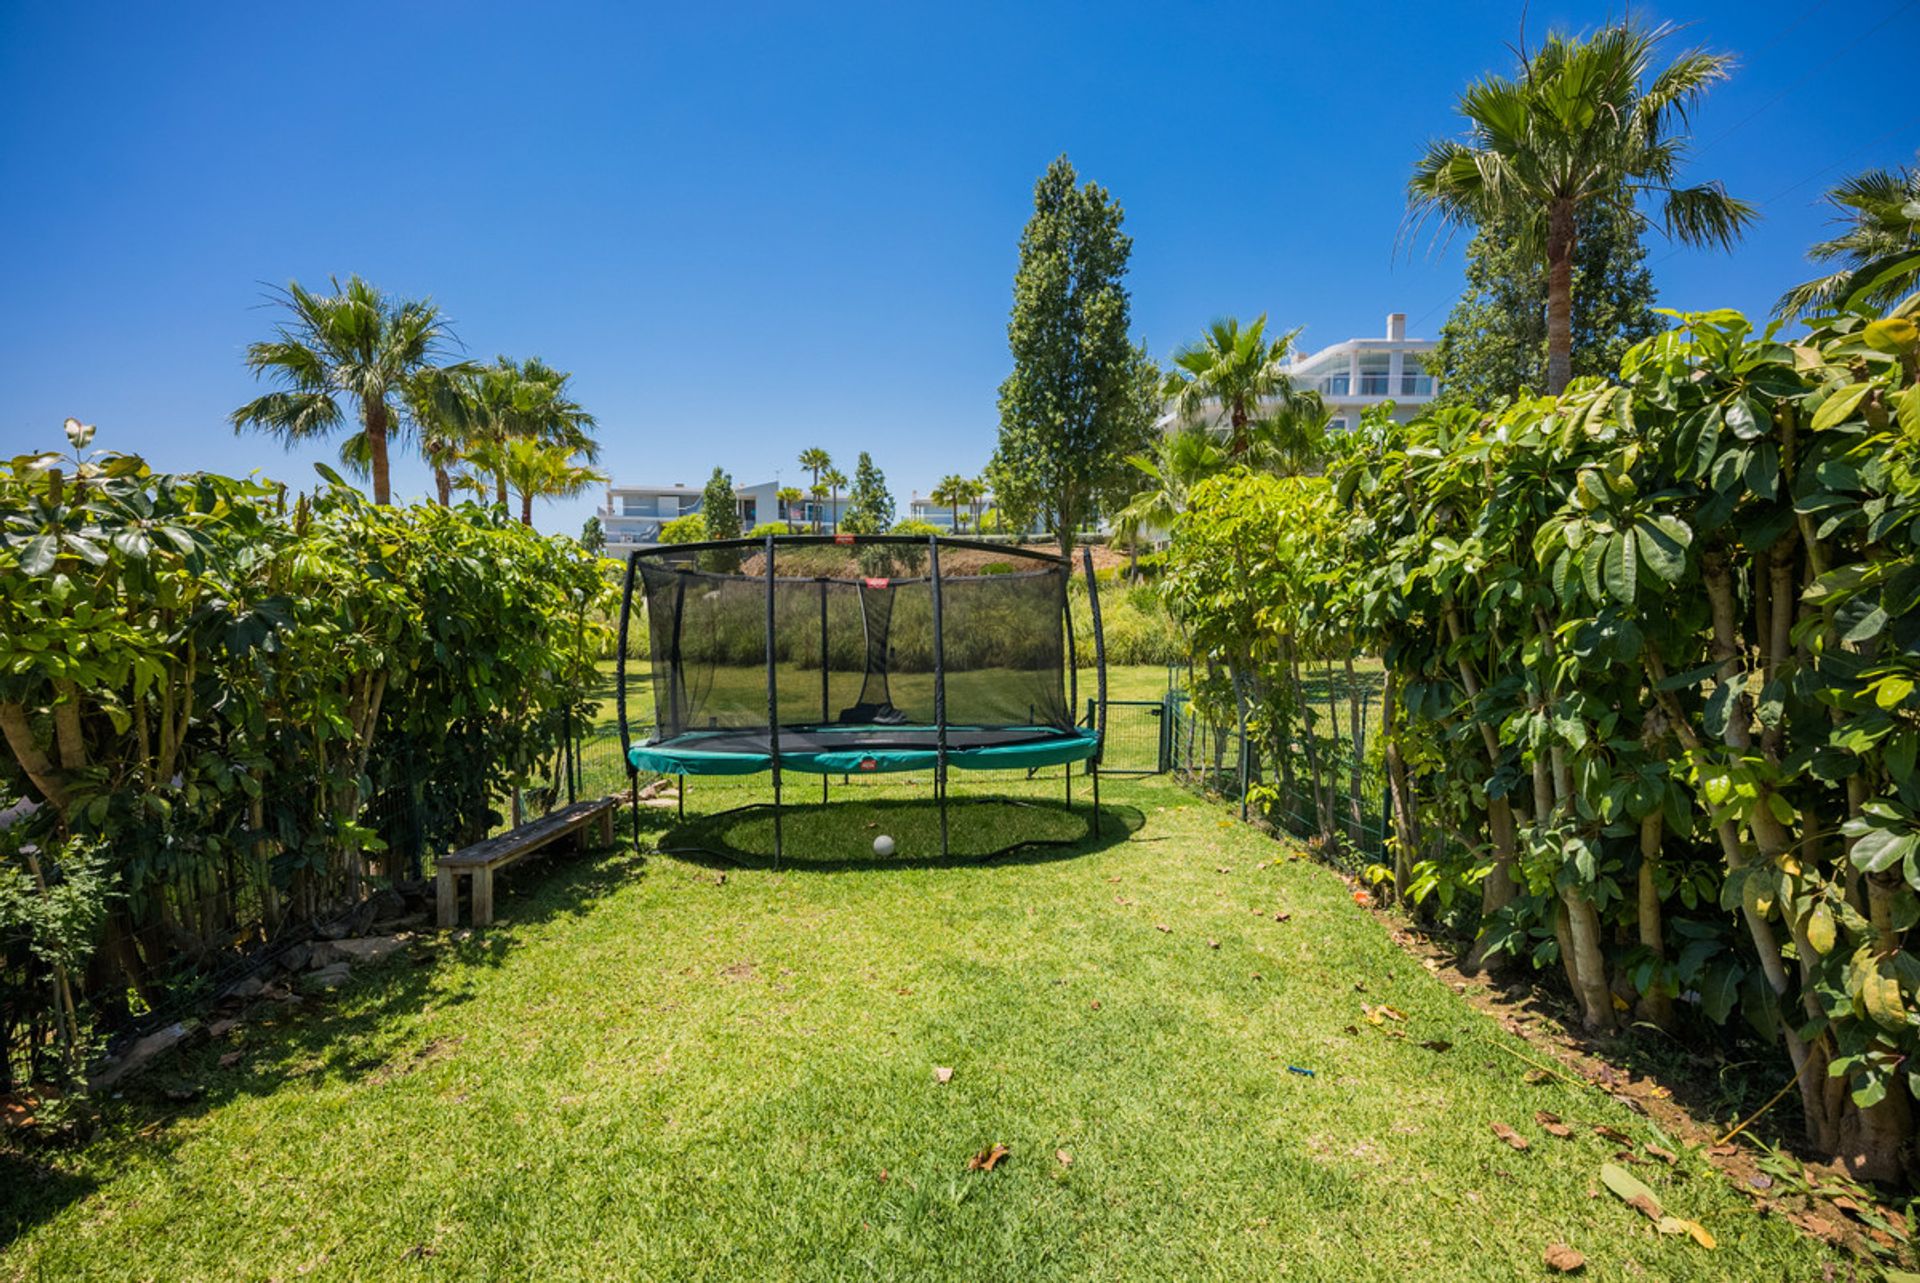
(376, 423)
(500, 488)
(1560, 240)
(443, 484)
(526, 507)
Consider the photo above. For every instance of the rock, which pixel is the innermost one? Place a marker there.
(368, 949)
(328, 977)
(142, 1053)
(296, 957)
(245, 987)
(324, 953)
(388, 904)
(221, 1028)
(416, 892)
(411, 922)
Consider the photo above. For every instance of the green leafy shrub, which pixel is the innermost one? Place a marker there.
(215, 686)
(691, 528)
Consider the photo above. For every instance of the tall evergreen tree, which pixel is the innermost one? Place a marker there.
(1494, 342)
(1079, 400)
(869, 506)
(721, 509)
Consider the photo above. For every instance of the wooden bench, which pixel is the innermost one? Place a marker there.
(479, 861)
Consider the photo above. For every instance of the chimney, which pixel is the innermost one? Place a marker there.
(1396, 326)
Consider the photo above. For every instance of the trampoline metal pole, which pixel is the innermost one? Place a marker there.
(824, 716)
(939, 693)
(773, 707)
(620, 696)
(1100, 671)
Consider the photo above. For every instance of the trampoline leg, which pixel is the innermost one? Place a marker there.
(823, 786)
(633, 798)
(1068, 773)
(680, 795)
(941, 789)
(1095, 772)
(776, 819)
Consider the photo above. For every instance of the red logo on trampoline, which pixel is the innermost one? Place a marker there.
(876, 584)
(868, 764)
(843, 538)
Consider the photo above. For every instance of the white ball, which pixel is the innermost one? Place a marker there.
(883, 845)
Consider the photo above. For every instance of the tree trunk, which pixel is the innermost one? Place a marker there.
(526, 508)
(443, 485)
(1560, 243)
(33, 759)
(1656, 1002)
(1406, 831)
(376, 424)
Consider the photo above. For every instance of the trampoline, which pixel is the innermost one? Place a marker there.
(858, 654)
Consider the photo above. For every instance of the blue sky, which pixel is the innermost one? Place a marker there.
(749, 229)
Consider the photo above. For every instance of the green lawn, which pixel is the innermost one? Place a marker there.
(662, 1067)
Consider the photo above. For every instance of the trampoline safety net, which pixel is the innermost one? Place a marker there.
(834, 655)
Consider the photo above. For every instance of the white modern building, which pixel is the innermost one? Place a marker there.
(1359, 374)
(633, 515)
(922, 508)
(1354, 376)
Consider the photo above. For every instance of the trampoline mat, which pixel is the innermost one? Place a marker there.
(863, 749)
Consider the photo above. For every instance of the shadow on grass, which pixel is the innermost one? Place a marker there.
(357, 1033)
(839, 836)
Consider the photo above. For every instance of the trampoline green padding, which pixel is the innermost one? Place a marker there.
(858, 750)
(856, 654)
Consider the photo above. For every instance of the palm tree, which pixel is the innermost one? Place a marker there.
(818, 492)
(789, 497)
(816, 461)
(527, 399)
(1239, 375)
(951, 491)
(973, 490)
(834, 479)
(1882, 210)
(1586, 121)
(531, 469)
(357, 343)
(1180, 461)
(441, 405)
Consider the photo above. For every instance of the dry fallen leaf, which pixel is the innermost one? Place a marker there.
(942, 1074)
(1534, 1077)
(230, 1059)
(1551, 1124)
(1437, 1044)
(1510, 1136)
(1612, 1133)
(1161, 926)
(1213, 944)
(985, 1160)
(1666, 1156)
(883, 1175)
(1095, 1004)
(1065, 1159)
(1674, 1225)
(1562, 1259)
(1631, 1190)
(1282, 916)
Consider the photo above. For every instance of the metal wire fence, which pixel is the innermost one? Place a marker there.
(1326, 785)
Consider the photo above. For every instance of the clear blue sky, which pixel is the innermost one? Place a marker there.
(750, 229)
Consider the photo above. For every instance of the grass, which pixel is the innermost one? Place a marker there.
(656, 1067)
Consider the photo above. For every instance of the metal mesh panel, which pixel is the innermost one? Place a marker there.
(851, 637)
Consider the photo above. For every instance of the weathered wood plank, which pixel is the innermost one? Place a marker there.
(478, 862)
